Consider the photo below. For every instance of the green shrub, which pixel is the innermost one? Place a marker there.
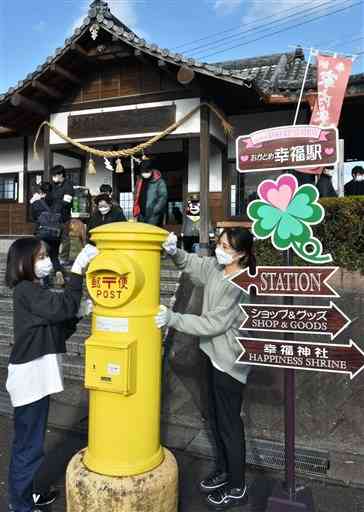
(341, 233)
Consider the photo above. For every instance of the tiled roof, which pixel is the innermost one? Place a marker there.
(99, 15)
(272, 74)
(281, 73)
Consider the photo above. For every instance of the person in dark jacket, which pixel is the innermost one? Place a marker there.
(324, 184)
(105, 212)
(105, 188)
(150, 195)
(43, 321)
(355, 187)
(61, 197)
(40, 203)
(61, 194)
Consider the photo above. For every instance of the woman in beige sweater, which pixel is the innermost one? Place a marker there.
(218, 328)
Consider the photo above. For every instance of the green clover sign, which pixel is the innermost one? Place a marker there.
(285, 212)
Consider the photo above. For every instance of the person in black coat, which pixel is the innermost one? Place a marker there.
(355, 187)
(61, 193)
(106, 212)
(324, 184)
(43, 321)
(40, 203)
(61, 197)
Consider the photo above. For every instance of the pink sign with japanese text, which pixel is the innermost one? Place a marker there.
(287, 147)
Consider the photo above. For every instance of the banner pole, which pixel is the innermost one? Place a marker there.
(303, 86)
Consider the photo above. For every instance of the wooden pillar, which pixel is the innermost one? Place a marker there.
(225, 196)
(25, 178)
(204, 179)
(186, 152)
(48, 154)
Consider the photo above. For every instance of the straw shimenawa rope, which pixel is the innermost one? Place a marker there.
(228, 129)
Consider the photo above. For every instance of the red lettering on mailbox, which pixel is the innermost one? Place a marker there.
(123, 282)
(109, 281)
(95, 282)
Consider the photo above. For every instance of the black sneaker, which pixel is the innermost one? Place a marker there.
(214, 481)
(41, 500)
(227, 498)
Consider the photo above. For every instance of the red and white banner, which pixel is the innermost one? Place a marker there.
(332, 79)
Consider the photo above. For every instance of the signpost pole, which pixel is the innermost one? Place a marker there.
(290, 410)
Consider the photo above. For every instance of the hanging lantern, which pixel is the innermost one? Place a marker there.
(91, 166)
(119, 166)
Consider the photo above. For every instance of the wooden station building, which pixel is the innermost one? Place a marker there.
(110, 89)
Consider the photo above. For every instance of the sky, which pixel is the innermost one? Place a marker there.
(209, 30)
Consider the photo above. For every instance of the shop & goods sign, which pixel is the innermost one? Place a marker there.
(295, 319)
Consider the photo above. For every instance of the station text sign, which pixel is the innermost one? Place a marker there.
(288, 281)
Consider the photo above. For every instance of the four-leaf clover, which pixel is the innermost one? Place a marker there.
(285, 212)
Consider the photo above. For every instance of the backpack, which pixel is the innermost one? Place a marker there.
(49, 226)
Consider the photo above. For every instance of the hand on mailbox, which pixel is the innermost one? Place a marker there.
(170, 245)
(85, 308)
(87, 254)
(163, 317)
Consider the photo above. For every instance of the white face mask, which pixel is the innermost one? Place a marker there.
(43, 268)
(146, 175)
(104, 209)
(223, 258)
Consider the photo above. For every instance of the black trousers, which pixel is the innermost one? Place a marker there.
(225, 398)
(30, 422)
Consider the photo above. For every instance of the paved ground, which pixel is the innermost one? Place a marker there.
(61, 445)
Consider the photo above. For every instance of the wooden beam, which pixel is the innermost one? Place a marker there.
(204, 179)
(47, 89)
(69, 153)
(6, 131)
(64, 73)
(17, 100)
(140, 56)
(81, 51)
(114, 50)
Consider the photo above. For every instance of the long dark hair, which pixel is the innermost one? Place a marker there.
(241, 240)
(20, 262)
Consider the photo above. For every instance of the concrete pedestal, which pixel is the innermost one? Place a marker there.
(153, 491)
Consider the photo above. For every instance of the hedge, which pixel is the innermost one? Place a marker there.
(341, 233)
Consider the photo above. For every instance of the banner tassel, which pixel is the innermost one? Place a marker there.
(91, 166)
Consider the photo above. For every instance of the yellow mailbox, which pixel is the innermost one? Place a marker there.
(123, 354)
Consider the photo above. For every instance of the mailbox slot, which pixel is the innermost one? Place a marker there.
(111, 365)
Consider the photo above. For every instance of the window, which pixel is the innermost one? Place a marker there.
(9, 187)
(126, 203)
